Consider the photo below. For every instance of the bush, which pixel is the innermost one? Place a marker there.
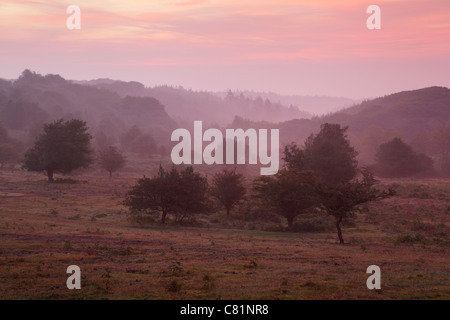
(397, 159)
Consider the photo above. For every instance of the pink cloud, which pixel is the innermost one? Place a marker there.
(222, 33)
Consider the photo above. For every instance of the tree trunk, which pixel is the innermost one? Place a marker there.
(110, 174)
(50, 175)
(339, 231)
(228, 212)
(163, 217)
(290, 221)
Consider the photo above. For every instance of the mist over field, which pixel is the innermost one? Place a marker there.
(117, 112)
(224, 150)
(125, 213)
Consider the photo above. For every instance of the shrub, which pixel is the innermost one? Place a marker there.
(397, 159)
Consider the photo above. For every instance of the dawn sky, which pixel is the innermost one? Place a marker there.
(288, 47)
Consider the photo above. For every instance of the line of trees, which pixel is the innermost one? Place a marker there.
(321, 175)
(181, 193)
(65, 146)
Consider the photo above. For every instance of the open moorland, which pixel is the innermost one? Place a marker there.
(46, 227)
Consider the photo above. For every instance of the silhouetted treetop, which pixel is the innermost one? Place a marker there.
(63, 147)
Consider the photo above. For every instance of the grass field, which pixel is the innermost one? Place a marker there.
(44, 228)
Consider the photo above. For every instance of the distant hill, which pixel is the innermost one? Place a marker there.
(411, 115)
(405, 111)
(214, 109)
(34, 99)
(314, 105)
(113, 108)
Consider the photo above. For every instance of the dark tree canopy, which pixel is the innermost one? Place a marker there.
(289, 193)
(294, 157)
(341, 200)
(153, 194)
(169, 192)
(328, 153)
(228, 188)
(395, 158)
(63, 147)
(111, 160)
(191, 195)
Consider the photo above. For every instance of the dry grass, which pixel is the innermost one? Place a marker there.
(46, 227)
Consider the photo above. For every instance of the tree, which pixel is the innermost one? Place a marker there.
(191, 195)
(341, 200)
(228, 188)
(289, 193)
(63, 147)
(169, 192)
(111, 160)
(328, 153)
(395, 158)
(153, 194)
(294, 157)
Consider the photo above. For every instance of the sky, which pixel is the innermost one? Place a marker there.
(317, 47)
